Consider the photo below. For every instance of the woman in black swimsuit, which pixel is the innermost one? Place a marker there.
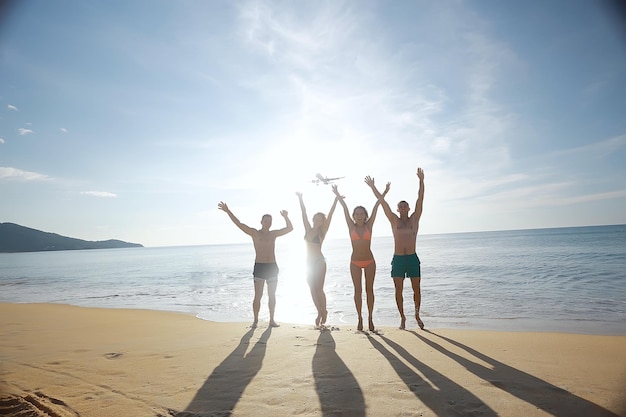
(316, 263)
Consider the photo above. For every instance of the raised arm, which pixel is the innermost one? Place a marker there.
(346, 212)
(288, 226)
(390, 215)
(244, 228)
(330, 215)
(372, 218)
(305, 220)
(419, 204)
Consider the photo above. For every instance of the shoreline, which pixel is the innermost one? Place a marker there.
(515, 325)
(99, 362)
(524, 325)
(512, 325)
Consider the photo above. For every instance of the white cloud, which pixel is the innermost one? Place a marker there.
(102, 194)
(591, 197)
(603, 147)
(8, 173)
(1, 141)
(12, 107)
(23, 131)
(62, 129)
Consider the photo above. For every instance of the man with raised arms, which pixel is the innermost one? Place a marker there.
(265, 267)
(405, 260)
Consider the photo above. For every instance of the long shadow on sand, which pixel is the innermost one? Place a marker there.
(338, 390)
(220, 393)
(543, 395)
(438, 392)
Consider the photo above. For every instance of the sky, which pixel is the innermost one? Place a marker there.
(132, 119)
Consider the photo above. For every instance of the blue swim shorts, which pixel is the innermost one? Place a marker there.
(266, 271)
(403, 266)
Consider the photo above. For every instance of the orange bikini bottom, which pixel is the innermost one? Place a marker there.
(363, 264)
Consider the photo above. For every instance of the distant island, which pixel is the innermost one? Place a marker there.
(16, 238)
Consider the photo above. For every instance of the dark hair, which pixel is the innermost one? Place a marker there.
(266, 215)
(319, 213)
(364, 209)
(321, 233)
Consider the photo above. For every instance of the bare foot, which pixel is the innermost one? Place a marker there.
(359, 326)
(274, 324)
(371, 325)
(254, 324)
(403, 323)
(317, 321)
(324, 316)
(420, 322)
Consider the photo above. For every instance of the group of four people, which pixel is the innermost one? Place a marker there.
(405, 263)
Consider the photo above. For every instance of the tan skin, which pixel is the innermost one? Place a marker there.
(264, 241)
(404, 228)
(316, 271)
(361, 251)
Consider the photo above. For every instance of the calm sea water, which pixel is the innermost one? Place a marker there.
(565, 279)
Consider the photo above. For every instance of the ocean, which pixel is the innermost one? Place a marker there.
(570, 280)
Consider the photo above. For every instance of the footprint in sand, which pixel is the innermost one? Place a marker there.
(34, 405)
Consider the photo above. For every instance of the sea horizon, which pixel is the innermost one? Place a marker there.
(420, 235)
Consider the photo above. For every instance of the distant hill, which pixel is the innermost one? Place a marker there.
(16, 238)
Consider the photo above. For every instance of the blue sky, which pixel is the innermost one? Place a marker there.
(132, 119)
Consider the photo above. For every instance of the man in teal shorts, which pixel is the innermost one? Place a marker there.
(405, 263)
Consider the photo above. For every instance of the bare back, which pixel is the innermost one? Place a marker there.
(405, 234)
(264, 244)
(404, 227)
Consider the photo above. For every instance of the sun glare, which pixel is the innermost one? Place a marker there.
(293, 299)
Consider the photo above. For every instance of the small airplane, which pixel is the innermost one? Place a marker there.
(324, 180)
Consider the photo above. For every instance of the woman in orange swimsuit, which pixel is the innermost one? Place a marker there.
(362, 260)
(316, 263)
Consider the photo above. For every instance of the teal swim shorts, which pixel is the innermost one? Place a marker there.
(405, 266)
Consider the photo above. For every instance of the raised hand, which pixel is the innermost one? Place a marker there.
(222, 206)
(336, 191)
(420, 173)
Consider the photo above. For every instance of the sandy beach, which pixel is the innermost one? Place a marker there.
(59, 360)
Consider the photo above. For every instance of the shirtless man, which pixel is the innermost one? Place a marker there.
(405, 260)
(265, 267)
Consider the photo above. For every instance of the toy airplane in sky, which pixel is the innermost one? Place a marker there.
(324, 180)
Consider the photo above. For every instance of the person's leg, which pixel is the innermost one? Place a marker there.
(311, 279)
(417, 299)
(321, 294)
(398, 282)
(256, 303)
(398, 272)
(355, 272)
(271, 295)
(370, 273)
